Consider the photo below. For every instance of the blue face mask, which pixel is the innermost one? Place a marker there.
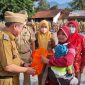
(72, 30)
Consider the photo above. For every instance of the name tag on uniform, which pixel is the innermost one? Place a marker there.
(6, 37)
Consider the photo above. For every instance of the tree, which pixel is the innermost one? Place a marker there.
(78, 4)
(26, 5)
(43, 5)
(68, 9)
(6, 5)
(54, 7)
(16, 6)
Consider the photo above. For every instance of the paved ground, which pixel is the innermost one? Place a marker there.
(82, 79)
(34, 80)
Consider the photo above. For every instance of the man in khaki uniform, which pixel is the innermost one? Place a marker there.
(26, 44)
(10, 63)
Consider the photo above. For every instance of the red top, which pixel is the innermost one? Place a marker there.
(78, 41)
(64, 61)
(79, 59)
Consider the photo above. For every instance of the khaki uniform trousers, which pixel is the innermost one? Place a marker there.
(41, 77)
(26, 57)
(10, 81)
(26, 79)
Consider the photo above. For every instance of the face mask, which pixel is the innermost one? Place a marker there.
(73, 29)
(44, 30)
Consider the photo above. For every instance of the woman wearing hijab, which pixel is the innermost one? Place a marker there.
(44, 35)
(43, 39)
(78, 41)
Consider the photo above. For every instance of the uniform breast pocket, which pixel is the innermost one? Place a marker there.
(15, 53)
(26, 35)
(14, 50)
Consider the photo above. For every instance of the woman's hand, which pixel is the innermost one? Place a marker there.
(30, 70)
(44, 60)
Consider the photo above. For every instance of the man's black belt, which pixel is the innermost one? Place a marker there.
(5, 77)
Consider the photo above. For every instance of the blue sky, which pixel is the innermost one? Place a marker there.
(63, 1)
(60, 1)
(54, 2)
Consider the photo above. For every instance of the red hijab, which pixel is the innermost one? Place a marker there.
(75, 38)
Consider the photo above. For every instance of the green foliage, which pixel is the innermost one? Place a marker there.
(77, 4)
(54, 7)
(68, 9)
(16, 6)
(43, 5)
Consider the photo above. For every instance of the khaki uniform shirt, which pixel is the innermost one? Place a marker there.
(24, 43)
(8, 52)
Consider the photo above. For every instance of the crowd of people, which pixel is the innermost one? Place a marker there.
(19, 38)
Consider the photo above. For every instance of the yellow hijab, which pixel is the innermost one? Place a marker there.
(44, 38)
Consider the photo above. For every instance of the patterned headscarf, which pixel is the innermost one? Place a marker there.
(75, 38)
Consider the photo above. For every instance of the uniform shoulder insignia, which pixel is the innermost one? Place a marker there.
(6, 37)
